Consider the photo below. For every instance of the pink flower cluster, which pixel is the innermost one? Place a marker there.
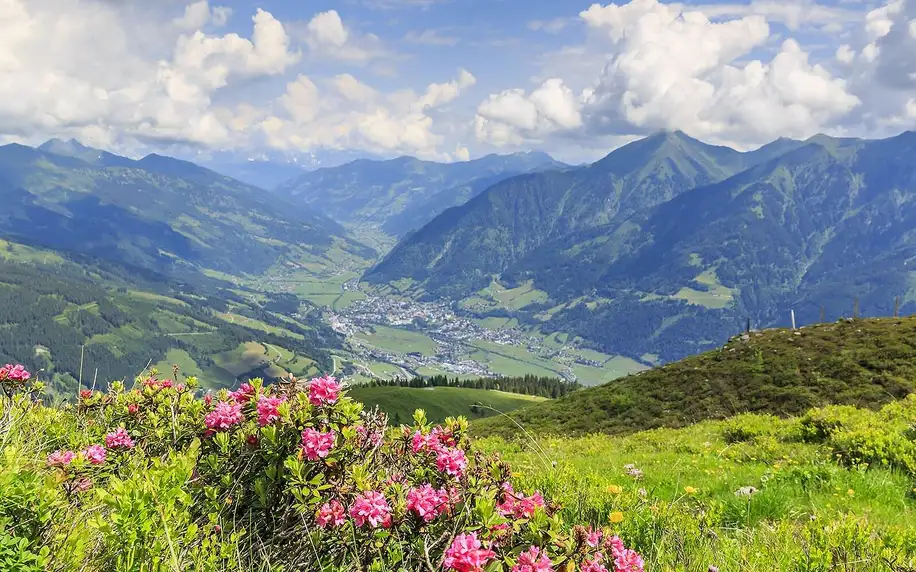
(157, 384)
(519, 506)
(371, 508)
(14, 373)
(427, 502)
(449, 459)
(533, 560)
(625, 560)
(61, 458)
(224, 416)
(119, 439)
(373, 439)
(95, 454)
(331, 514)
(317, 445)
(268, 410)
(466, 554)
(324, 390)
(243, 394)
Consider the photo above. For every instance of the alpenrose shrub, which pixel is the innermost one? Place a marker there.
(298, 475)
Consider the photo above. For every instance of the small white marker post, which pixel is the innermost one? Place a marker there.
(793, 319)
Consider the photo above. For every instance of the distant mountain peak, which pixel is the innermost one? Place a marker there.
(71, 148)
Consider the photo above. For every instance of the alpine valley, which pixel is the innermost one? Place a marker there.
(668, 246)
(504, 265)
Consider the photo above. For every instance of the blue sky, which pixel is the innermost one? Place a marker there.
(450, 79)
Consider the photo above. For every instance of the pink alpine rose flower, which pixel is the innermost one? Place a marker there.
(594, 564)
(268, 410)
(15, 373)
(519, 506)
(317, 445)
(427, 502)
(243, 394)
(331, 514)
(451, 461)
(615, 545)
(82, 485)
(372, 508)
(119, 439)
(466, 554)
(61, 458)
(628, 561)
(324, 390)
(223, 416)
(533, 560)
(95, 454)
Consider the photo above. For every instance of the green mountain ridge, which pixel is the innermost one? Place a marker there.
(668, 245)
(404, 193)
(865, 362)
(157, 212)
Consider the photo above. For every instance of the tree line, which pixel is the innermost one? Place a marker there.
(551, 387)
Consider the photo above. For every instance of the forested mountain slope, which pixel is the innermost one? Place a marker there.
(665, 247)
(404, 193)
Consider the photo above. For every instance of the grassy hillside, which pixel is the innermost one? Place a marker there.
(439, 402)
(749, 493)
(864, 362)
(63, 317)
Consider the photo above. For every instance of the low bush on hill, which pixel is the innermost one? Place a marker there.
(280, 478)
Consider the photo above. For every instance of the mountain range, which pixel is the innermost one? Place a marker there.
(668, 245)
(403, 194)
(159, 213)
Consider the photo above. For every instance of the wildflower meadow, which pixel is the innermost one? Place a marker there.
(295, 476)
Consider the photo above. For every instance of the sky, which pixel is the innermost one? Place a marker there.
(449, 80)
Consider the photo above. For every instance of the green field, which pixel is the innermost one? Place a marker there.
(685, 509)
(717, 296)
(257, 325)
(511, 360)
(398, 340)
(438, 402)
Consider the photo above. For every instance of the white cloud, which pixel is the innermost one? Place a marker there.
(74, 67)
(199, 14)
(329, 38)
(512, 116)
(553, 26)
(438, 94)
(672, 67)
(845, 54)
(793, 13)
(430, 37)
(349, 114)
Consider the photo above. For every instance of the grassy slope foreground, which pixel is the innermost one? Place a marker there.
(862, 362)
(751, 493)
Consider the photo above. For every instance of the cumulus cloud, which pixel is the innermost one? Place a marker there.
(199, 14)
(672, 67)
(345, 113)
(430, 37)
(329, 38)
(91, 79)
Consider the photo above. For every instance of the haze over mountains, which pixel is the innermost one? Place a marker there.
(403, 194)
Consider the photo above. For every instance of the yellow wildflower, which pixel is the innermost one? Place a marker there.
(615, 489)
(851, 493)
(616, 517)
(690, 490)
